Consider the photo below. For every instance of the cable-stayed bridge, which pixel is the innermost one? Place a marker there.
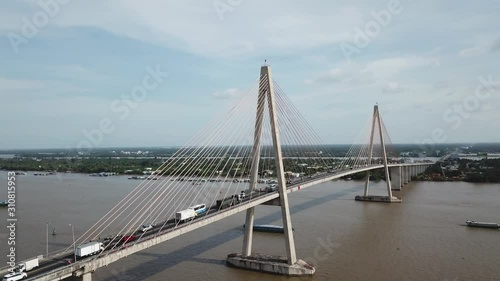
(256, 154)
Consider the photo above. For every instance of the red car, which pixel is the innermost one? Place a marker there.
(129, 238)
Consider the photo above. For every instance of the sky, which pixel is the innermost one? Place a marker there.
(69, 68)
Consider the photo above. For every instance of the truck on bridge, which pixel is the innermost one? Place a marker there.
(27, 265)
(89, 249)
(227, 202)
(185, 215)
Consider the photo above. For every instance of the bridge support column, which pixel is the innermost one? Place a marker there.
(405, 175)
(87, 277)
(278, 265)
(248, 235)
(365, 197)
(396, 178)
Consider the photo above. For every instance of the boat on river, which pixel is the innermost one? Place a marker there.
(4, 203)
(482, 224)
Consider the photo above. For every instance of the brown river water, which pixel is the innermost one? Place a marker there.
(424, 238)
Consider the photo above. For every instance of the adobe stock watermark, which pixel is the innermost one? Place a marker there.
(321, 252)
(224, 6)
(11, 221)
(364, 36)
(455, 115)
(30, 27)
(122, 108)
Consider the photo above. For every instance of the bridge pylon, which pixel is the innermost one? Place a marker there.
(258, 262)
(377, 123)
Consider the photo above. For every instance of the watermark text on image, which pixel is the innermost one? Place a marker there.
(11, 220)
(122, 107)
(30, 27)
(364, 36)
(455, 114)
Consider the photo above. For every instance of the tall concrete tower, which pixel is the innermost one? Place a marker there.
(247, 260)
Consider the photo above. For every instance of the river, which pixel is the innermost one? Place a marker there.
(424, 238)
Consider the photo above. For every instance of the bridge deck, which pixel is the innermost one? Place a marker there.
(55, 271)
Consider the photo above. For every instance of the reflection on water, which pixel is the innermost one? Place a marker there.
(421, 239)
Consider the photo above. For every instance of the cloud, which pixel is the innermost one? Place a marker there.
(73, 72)
(7, 84)
(393, 88)
(300, 37)
(384, 69)
(32, 87)
(482, 48)
(380, 71)
(195, 26)
(347, 73)
(227, 94)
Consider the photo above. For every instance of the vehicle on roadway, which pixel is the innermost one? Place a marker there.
(27, 265)
(185, 215)
(147, 227)
(128, 238)
(89, 249)
(228, 202)
(199, 209)
(270, 188)
(15, 276)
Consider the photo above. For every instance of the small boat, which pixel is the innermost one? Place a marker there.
(482, 224)
(54, 232)
(268, 228)
(137, 178)
(4, 203)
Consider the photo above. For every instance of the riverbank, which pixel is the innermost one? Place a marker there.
(464, 170)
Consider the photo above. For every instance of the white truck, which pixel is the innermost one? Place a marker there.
(27, 265)
(185, 215)
(89, 249)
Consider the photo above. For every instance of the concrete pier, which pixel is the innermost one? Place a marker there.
(405, 174)
(271, 264)
(86, 277)
(396, 182)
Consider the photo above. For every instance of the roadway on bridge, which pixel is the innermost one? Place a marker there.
(63, 260)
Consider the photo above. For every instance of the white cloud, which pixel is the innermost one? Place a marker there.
(377, 72)
(231, 93)
(73, 72)
(393, 88)
(21, 84)
(23, 87)
(195, 26)
(384, 69)
(481, 48)
(347, 73)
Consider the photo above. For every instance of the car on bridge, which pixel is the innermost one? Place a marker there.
(15, 276)
(128, 238)
(147, 227)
